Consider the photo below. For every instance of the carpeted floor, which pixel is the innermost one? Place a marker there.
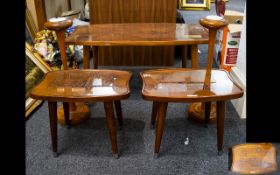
(86, 149)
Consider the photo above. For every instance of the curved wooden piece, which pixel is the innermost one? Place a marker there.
(134, 11)
(197, 112)
(187, 85)
(83, 85)
(254, 158)
(58, 26)
(213, 24)
(76, 114)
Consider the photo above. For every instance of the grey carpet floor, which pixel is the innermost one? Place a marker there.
(86, 149)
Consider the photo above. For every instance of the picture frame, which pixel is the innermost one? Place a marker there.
(35, 69)
(30, 24)
(195, 4)
(213, 1)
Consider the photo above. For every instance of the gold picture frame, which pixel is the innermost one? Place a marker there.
(30, 24)
(195, 4)
(35, 70)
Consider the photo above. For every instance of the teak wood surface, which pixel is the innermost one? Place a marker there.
(254, 158)
(108, 86)
(83, 86)
(138, 35)
(188, 85)
(134, 11)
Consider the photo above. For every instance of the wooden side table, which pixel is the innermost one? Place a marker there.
(188, 85)
(191, 85)
(107, 86)
(79, 112)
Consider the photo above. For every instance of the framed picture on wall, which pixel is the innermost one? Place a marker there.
(195, 4)
(35, 69)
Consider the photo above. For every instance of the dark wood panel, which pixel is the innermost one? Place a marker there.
(134, 11)
(140, 56)
(131, 11)
(41, 13)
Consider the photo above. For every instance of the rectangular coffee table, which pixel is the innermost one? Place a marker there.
(139, 34)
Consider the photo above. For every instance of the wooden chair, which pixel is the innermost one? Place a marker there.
(191, 85)
(134, 11)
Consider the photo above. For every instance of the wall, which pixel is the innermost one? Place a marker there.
(55, 8)
(239, 72)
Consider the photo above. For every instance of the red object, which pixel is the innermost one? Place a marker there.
(220, 7)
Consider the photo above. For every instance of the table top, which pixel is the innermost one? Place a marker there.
(188, 85)
(254, 158)
(138, 34)
(83, 85)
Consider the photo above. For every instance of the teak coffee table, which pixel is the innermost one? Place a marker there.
(139, 34)
(107, 86)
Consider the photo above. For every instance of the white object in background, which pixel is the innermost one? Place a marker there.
(214, 17)
(187, 141)
(77, 22)
(59, 19)
(87, 11)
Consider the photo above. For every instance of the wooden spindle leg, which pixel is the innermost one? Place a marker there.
(184, 56)
(86, 58)
(162, 107)
(66, 113)
(95, 57)
(194, 56)
(154, 114)
(220, 125)
(207, 112)
(109, 110)
(53, 125)
(118, 108)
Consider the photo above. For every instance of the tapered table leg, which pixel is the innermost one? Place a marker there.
(109, 110)
(66, 113)
(53, 125)
(184, 56)
(86, 58)
(154, 114)
(95, 57)
(118, 108)
(220, 125)
(207, 111)
(162, 107)
(194, 56)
